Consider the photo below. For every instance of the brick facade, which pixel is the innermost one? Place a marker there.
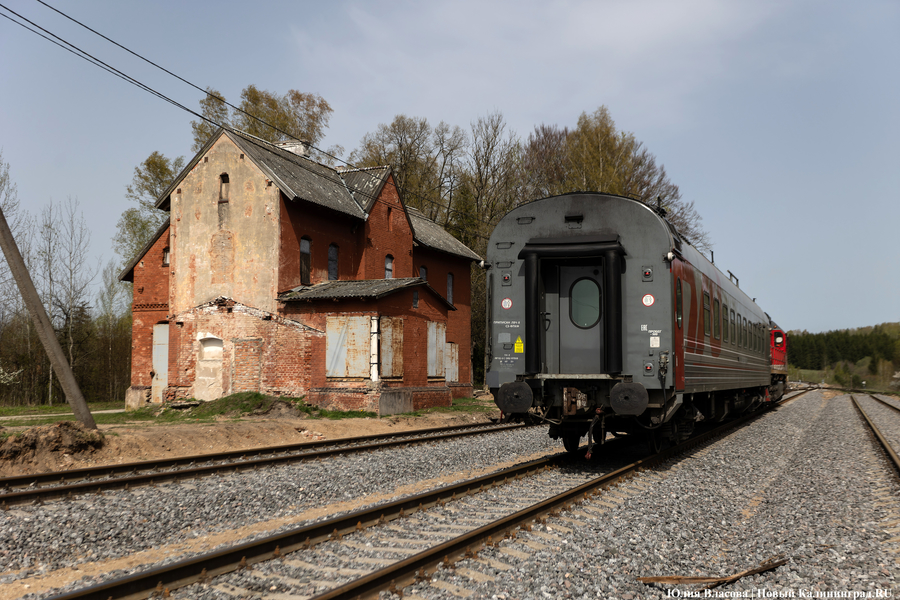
(238, 223)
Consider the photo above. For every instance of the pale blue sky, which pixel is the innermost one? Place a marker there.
(778, 119)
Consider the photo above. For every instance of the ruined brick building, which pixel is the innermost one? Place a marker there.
(277, 274)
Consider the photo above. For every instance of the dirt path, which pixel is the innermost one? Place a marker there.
(57, 447)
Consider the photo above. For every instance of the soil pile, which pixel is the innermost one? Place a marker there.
(35, 445)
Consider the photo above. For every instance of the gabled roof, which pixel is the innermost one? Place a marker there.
(365, 184)
(428, 233)
(127, 274)
(349, 191)
(357, 289)
(298, 177)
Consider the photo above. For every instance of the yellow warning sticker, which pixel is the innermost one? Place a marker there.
(520, 347)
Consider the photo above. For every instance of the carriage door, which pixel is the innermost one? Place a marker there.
(580, 325)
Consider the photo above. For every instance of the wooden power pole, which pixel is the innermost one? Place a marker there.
(44, 328)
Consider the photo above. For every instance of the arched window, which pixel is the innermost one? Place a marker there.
(224, 184)
(333, 262)
(450, 288)
(305, 259)
(423, 273)
(388, 267)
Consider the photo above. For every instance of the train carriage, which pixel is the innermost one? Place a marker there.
(601, 317)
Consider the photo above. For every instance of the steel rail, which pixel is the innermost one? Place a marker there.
(277, 455)
(892, 454)
(888, 404)
(160, 580)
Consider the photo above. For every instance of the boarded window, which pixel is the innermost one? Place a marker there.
(451, 362)
(347, 348)
(437, 333)
(221, 257)
(246, 366)
(391, 347)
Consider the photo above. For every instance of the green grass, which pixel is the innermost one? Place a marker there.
(232, 407)
(58, 408)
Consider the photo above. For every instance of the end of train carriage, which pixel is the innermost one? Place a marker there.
(601, 318)
(778, 346)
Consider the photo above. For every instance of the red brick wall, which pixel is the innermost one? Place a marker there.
(261, 352)
(459, 321)
(149, 307)
(324, 227)
(363, 394)
(383, 237)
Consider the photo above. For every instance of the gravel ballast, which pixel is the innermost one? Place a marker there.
(804, 482)
(37, 539)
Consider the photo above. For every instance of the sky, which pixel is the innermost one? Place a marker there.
(779, 120)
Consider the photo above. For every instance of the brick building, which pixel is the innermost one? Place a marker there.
(277, 274)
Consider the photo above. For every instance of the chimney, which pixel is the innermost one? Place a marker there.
(298, 147)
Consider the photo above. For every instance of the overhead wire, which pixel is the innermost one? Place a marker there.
(249, 137)
(240, 110)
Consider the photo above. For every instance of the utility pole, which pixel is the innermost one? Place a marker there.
(42, 324)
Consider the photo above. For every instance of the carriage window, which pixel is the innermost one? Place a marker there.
(678, 302)
(740, 337)
(584, 303)
(746, 341)
(706, 313)
(716, 326)
(725, 318)
(733, 336)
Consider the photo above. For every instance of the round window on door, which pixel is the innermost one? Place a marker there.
(584, 303)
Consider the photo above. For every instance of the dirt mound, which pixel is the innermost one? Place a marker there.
(280, 409)
(65, 437)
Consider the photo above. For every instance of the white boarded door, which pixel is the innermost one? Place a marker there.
(347, 346)
(160, 362)
(437, 333)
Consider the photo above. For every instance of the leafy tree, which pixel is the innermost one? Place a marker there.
(214, 108)
(137, 224)
(406, 145)
(597, 157)
(276, 118)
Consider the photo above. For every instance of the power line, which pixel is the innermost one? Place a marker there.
(232, 106)
(106, 67)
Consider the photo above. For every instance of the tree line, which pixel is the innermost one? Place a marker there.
(818, 351)
(465, 179)
(93, 327)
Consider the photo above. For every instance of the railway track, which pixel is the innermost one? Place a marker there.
(404, 540)
(44, 487)
(883, 419)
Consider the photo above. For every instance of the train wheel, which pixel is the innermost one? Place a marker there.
(571, 442)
